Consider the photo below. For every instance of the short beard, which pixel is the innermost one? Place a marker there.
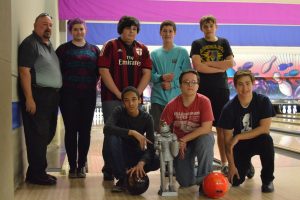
(47, 34)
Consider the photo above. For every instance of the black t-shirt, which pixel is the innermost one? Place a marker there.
(212, 51)
(234, 116)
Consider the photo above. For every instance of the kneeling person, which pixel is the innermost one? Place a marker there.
(130, 136)
(246, 120)
(190, 114)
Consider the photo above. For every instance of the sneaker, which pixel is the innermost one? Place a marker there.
(250, 172)
(73, 173)
(121, 186)
(267, 188)
(41, 180)
(81, 172)
(224, 170)
(235, 181)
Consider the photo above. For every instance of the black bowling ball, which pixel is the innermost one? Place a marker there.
(137, 186)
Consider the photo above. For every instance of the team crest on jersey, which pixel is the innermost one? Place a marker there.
(139, 51)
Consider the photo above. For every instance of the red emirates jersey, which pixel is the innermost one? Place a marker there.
(125, 64)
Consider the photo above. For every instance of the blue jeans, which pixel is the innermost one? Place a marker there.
(125, 153)
(202, 148)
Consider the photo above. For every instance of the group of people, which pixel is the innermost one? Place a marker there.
(189, 99)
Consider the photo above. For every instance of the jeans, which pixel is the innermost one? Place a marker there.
(202, 148)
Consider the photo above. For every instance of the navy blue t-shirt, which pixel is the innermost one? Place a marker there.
(234, 116)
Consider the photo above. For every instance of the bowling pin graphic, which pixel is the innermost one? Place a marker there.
(289, 109)
(284, 87)
(267, 66)
(284, 109)
(294, 109)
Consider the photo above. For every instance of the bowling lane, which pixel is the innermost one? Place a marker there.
(285, 131)
(286, 141)
(287, 120)
(288, 116)
(289, 128)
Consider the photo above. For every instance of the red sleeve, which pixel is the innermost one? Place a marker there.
(106, 55)
(206, 110)
(168, 113)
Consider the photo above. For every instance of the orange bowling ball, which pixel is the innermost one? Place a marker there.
(215, 185)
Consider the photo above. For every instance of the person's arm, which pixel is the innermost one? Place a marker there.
(263, 128)
(205, 128)
(185, 65)
(142, 140)
(228, 137)
(109, 82)
(111, 126)
(155, 75)
(25, 79)
(203, 67)
(148, 151)
(222, 65)
(144, 80)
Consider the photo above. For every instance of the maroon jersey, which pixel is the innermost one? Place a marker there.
(125, 64)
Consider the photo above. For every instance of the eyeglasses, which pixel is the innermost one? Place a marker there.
(43, 15)
(190, 83)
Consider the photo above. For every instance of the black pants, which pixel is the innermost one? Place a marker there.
(125, 153)
(39, 128)
(218, 98)
(77, 112)
(243, 152)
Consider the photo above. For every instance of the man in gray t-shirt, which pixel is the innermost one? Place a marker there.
(40, 80)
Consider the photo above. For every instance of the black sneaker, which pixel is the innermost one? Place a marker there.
(251, 171)
(121, 186)
(81, 172)
(267, 188)
(41, 180)
(73, 173)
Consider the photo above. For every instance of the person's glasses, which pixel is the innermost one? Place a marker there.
(190, 83)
